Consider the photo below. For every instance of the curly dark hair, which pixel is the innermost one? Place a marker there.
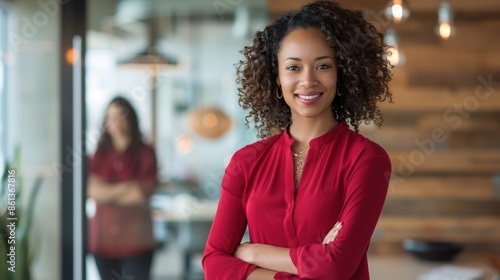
(363, 71)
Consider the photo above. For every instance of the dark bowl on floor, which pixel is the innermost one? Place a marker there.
(432, 250)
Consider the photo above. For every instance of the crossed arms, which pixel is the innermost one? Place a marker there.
(271, 259)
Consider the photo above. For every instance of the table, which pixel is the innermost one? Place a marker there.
(192, 216)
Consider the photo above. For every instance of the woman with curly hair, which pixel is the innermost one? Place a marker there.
(312, 191)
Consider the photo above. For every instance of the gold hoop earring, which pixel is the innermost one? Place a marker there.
(278, 93)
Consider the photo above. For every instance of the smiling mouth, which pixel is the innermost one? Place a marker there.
(309, 96)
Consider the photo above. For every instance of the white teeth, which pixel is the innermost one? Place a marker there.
(308, 97)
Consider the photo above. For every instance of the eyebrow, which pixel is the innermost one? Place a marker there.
(317, 58)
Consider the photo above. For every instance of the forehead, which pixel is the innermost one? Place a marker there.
(116, 109)
(305, 41)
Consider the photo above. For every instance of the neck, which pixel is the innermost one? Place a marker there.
(304, 130)
(120, 144)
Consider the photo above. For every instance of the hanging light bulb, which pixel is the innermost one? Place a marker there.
(397, 11)
(394, 54)
(445, 28)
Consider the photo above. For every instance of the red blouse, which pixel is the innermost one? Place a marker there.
(122, 231)
(345, 178)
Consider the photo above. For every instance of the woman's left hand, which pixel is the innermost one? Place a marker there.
(245, 252)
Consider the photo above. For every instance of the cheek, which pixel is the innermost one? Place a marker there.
(329, 82)
(287, 82)
(109, 123)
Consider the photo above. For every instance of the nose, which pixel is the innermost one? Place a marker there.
(308, 78)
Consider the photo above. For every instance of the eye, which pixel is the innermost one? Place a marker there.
(323, 67)
(292, 68)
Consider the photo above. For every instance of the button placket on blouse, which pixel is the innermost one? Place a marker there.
(310, 159)
(290, 199)
(296, 195)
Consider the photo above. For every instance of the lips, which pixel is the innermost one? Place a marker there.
(309, 97)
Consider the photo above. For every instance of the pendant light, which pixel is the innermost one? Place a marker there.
(445, 28)
(152, 60)
(209, 122)
(397, 11)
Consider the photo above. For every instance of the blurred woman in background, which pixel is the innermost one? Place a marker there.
(122, 177)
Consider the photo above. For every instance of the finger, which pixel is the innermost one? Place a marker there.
(332, 234)
(335, 228)
(331, 237)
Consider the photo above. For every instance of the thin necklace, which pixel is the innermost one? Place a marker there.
(296, 154)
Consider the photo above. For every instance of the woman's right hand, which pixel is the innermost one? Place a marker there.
(332, 234)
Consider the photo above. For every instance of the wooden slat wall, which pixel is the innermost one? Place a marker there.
(443, 131)
(443, 137)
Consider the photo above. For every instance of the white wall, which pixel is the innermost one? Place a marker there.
(214, 50)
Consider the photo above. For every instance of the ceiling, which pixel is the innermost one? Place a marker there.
(467, 7)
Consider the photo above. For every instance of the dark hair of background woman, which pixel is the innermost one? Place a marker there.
(363, 71)
(132, 119)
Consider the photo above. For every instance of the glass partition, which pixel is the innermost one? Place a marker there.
(30, 139)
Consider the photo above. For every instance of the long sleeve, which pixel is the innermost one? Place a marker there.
(147, 171)
(227, 231)
(365, 194)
